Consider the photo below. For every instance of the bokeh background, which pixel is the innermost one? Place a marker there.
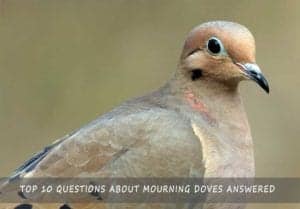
(64, 62)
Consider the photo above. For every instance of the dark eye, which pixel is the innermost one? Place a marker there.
(215, 46)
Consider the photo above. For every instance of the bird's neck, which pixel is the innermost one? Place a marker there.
(216, 112)
(216, 102)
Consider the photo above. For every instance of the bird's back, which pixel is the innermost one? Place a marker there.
(140, 138)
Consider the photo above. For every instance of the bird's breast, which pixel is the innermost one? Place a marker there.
(224, 155)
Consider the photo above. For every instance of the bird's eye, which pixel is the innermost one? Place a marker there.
(215, 46)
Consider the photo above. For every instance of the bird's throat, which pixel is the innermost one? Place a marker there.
(215, 103)
(197, 105)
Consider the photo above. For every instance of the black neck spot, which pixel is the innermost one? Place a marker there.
(196, 74)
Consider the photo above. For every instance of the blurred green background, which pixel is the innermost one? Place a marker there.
(64, 62)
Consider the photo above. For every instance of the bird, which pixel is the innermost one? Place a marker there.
(194, 125)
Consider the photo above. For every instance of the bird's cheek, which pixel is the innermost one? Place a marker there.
(236, 72)
(196, 61)
(227, 71)
(231, 71)
(239, 74)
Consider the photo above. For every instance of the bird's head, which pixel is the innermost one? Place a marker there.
(223, 52)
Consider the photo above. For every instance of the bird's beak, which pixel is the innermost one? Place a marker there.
(253, 72)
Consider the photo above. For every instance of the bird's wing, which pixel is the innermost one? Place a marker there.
(150, 143)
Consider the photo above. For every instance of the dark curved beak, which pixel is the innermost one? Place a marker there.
(253, 72)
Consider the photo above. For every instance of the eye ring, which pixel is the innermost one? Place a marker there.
(215, 47)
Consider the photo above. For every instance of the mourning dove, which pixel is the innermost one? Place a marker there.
(193, 126)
